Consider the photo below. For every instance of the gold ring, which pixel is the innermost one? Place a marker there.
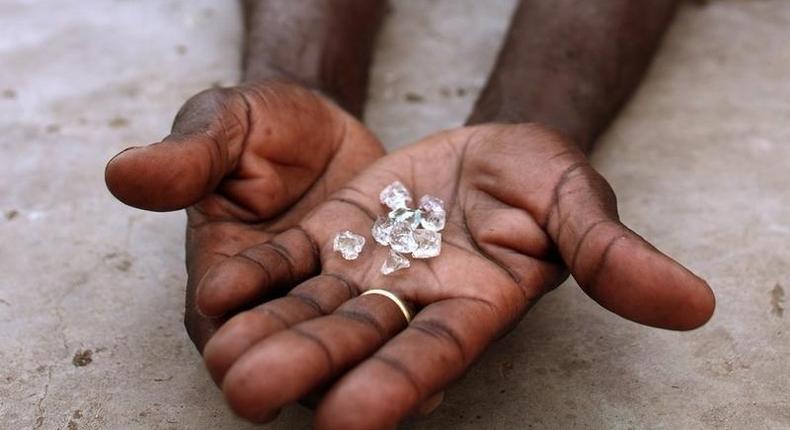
(401, 305)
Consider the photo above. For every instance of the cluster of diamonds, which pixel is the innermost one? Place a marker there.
(407, 230)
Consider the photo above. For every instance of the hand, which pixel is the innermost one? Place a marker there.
(523, 208)
(248, 162)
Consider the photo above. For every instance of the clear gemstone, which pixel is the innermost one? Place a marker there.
(381, 230)
(394, 262)
(433, 215)
(429, 243)
(411, 217)
(402, 238)
(395, 195)
(349, 244)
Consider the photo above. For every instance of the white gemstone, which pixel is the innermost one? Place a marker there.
(381, 230)
(433, 215)
(429, 243)
(395, 195)
(394, 262)
(402, 238)
(348, 244)
(409, 216)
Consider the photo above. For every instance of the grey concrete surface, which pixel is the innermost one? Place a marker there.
(700, 161)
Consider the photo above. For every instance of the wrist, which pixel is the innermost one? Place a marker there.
(324, 45)
(571, 65)
(510, 106)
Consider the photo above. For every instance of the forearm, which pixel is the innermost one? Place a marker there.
(323, 44)
(571, 64)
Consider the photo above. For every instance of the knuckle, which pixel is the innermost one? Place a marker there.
(199, 111)
(208, 99)
(600, 187)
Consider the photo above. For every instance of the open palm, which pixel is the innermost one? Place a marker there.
(523, 208)
(247, 162)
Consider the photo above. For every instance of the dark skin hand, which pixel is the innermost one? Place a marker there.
(524, 206)
(247, 163)
(571, 64)
(250, 161)
(526, 209)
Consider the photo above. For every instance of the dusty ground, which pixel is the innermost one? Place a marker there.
(91, 291)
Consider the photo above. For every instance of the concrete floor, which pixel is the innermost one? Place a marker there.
(91, 291)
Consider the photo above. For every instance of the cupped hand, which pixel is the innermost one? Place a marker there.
(524, 208)
(248, 162)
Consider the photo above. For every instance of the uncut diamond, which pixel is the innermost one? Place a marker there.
(394, 262)
(432, 213)
(429, 243)
(395, 195)
(411, 217)
(381, 230)
(348, 244)
(402, 238)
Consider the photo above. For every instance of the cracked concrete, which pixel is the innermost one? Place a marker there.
(699, 160)
(40, 411)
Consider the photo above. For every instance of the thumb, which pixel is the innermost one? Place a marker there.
(615, 266)
(205, 145)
